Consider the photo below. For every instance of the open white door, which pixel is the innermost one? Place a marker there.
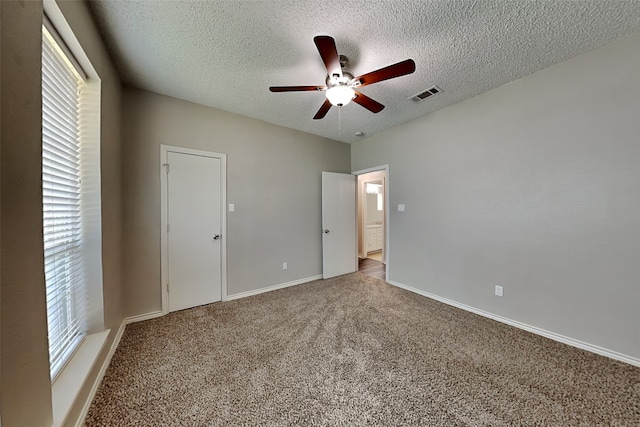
(339, 248)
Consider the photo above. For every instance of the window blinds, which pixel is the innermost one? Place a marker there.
(61, 195)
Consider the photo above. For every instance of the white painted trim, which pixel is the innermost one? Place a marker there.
(386, 247)
(533, 329)
(273, 288)
(59, 22)
(107, 361)
(369, 170)
(142, 317)
(100, 376)
(164, 273)
(72, 378)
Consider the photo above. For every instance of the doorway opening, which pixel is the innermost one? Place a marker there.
(372, 222)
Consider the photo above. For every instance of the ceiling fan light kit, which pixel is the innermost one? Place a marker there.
(340, 95)
(341, 86)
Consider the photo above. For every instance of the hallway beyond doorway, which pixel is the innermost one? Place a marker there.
(372, 268)
(375, 255)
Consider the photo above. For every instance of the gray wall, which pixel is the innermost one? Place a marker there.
(533, 186)
(273, 178)
(26, 387)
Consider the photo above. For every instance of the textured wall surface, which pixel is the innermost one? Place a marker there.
(226, 54)
(273, 178)
(26, 388)
(533, 186)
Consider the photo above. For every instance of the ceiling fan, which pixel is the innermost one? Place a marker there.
(341, 86)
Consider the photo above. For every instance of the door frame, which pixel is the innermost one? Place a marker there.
(164, 203)
(387, 211)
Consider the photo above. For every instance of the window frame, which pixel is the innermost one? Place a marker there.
(88, 298)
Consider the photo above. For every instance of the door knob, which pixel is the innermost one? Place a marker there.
(326, 231)
(216, 237)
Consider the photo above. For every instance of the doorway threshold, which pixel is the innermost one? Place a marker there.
(372, 268)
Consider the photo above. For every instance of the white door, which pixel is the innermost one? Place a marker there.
(339, 247)
(194, 231)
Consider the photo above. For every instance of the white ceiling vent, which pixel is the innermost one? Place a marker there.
(426, 94)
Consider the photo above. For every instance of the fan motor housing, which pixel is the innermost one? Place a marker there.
(347, 75)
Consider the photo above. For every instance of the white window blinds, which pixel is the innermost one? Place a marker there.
(61, 194)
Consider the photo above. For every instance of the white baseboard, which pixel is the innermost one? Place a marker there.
(107, 360)
(141, 317)
(538, 331)
(273, 288)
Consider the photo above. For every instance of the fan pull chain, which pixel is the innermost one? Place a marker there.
(339, 119)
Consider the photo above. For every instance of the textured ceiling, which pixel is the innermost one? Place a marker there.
(226, 54)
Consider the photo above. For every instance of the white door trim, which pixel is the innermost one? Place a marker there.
(387, 210)
(164, 261)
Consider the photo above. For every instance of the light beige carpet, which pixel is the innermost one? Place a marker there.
(354, 351)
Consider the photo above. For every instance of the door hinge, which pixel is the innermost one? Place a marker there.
(166, 165)
(167, 288)
(168, 228)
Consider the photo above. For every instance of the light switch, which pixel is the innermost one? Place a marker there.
(401, 207)
(232, 207)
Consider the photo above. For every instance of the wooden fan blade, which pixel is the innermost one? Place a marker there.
(368, 103)
(329, 54)
(392, 71)
(295, 88)
(323, 110)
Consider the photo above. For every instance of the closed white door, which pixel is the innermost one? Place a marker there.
(194, 231)
(339, 248)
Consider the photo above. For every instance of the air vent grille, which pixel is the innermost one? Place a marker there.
(425, 94)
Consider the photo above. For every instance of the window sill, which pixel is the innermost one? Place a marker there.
(69, 382)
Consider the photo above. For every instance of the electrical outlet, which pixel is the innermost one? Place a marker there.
(498, 291)
(284, 266)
